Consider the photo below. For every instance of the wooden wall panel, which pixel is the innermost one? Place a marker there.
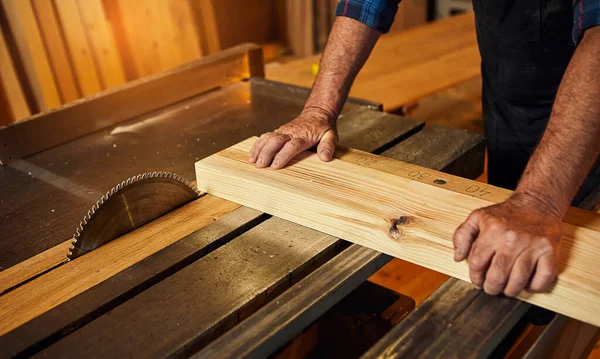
(52, 35)
(12, 102)
(150, 47)
(39, 76)
(102, 43)
(79, 48)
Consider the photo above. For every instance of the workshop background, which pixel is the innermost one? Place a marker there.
(56, 51)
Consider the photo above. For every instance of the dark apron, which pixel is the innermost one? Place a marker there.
(525, 47)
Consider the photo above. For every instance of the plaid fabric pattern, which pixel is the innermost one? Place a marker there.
(586, 14)
(378, 14)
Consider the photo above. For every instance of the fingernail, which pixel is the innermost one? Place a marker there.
(325, 152)
(478, 287)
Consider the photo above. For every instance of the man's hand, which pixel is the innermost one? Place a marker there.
(510, 246)
(308, 130)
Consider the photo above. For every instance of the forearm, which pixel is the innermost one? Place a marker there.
(350, 44)
(571, 142)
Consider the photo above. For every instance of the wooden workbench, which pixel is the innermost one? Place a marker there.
(405, 67)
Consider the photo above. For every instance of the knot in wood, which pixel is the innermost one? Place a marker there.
(394, 231)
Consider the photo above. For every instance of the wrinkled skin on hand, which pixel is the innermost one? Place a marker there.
(277, 148)
(510, 246)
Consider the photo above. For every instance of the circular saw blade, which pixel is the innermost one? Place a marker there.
(130, 205)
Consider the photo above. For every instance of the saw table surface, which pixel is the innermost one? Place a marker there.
(239, 283)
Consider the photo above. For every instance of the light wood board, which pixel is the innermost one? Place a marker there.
(57, 286)
(407, 66)
(9, 82)
(22, 21)
(354, 200)
(58, 54)
(79, 48)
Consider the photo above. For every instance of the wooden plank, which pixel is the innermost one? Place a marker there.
(102, 43)
(299, 20)
(79, 48)
(134, 98)
(24, 28)
(33, 266)
(279, 321)
(402, 68)
(204, 13)
(38, 333)
(350, 190)
(58, 53)
(16, 105)
(49, 290)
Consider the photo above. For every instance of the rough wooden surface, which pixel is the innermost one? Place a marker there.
(280, 320)
(33, 266)
(174, 316)
(47, 291)
(405, 67)
(352, 202)
(100, 299)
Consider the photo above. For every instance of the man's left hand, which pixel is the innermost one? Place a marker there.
(510, 246)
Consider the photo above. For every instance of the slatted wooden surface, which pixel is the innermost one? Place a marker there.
(407, 66)
(66, 49)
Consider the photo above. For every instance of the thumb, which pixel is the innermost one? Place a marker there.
(326, 146)
(465, 235)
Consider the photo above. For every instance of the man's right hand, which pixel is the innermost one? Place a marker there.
(309, 129)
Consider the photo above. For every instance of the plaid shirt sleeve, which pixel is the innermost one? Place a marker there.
(378, 14)
(586, 14)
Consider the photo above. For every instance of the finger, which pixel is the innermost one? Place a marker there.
(257, 147)
(289, 151)
(499, 272)
(326, 146)
(520, 274)
(270, 149)
(465, 235)
(545, 273)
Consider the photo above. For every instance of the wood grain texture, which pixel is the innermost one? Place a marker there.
(33, 266)
(58, 322)
(407, 66)
(80, 51)
(177, 316)
(32, 53)
(50, 290)
(352, 201)
(155, 48)
(15, 104)
(101, 40)
(58, 53)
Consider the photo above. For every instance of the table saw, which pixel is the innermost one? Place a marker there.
(206, 277)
